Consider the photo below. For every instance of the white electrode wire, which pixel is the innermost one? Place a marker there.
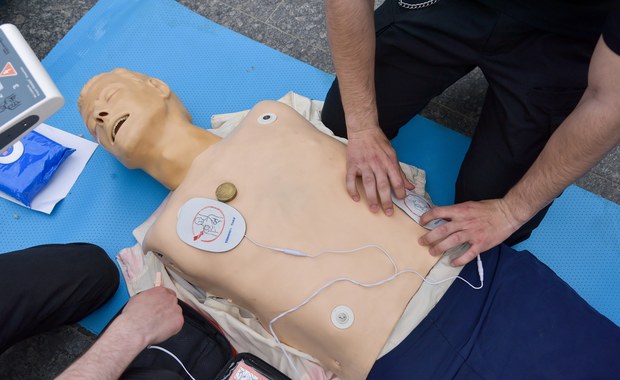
(151, 347)
(355, 282)
(363, 284)
(385, 253)
(345, 251)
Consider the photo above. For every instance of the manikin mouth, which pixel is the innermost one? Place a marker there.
(118, 125)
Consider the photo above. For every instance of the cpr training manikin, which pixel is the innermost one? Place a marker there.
(319, 272)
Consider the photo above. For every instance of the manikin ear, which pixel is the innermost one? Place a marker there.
(161, 87)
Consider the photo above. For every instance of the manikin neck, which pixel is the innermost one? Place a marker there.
(177, 152)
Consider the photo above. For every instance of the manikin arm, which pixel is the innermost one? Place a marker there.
(149, 317)
(586, 135)
(370, 155)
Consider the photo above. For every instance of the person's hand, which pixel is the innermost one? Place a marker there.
(483, 224)
(371, 156)
(153, 314)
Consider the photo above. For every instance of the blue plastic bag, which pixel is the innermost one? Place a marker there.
(27, 166)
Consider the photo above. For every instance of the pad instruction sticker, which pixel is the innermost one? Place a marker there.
(12, 154)
(210, 225)
(415, 205)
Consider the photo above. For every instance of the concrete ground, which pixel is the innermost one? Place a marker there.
(294, 27)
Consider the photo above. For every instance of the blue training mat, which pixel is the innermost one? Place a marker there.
(212, 70)
(215, 70)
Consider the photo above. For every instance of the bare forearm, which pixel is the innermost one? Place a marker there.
(588, 133)
(149, 317)
(582, 141)
(351, 31)
(108, 357)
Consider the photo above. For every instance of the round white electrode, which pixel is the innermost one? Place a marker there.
(267, 118)
(12, 154)
(342, 317)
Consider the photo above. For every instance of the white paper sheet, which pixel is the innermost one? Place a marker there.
(68, 172)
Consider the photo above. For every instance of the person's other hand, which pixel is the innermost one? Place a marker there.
(371, 156)
(483, 224)
(153, 314)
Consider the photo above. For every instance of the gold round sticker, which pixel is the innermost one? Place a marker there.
(225, 192)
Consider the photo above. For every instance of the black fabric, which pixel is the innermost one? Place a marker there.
(535, 78)
(47, 286)
(200, 346)
(570, 17)
(151, 374)
(611, 33)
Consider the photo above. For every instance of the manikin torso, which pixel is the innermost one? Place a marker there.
(291, 192)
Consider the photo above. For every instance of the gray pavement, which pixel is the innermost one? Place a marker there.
(294, 27)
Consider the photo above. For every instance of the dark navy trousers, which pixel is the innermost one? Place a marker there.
(525, 323)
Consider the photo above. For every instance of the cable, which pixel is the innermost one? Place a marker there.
(332, 282)
(480, 271)
(366, 285)
(396, 273)
(152, 347)
(293, 252)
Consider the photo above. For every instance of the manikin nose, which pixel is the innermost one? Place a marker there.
(101, 116)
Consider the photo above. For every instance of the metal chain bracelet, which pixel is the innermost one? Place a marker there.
(418, 5)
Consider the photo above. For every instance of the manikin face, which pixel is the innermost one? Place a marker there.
(125, 111)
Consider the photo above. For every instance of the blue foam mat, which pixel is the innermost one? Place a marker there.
(215, 70)
(212, 69)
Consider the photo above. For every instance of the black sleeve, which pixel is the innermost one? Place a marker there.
(611, 32)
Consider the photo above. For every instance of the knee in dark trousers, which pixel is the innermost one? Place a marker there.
(52, 285)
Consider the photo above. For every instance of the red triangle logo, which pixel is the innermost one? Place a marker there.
(8, 71)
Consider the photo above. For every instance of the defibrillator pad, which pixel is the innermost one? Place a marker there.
(210, 225)
(415, 205)
(27, 166)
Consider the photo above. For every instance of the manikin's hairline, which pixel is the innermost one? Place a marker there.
(131, 75)
(127, 74)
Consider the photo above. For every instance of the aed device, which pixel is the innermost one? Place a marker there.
(27, 93)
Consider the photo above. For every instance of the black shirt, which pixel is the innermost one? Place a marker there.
(611, 32)
(578, 18)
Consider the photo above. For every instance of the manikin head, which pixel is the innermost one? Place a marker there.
(131, 115)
